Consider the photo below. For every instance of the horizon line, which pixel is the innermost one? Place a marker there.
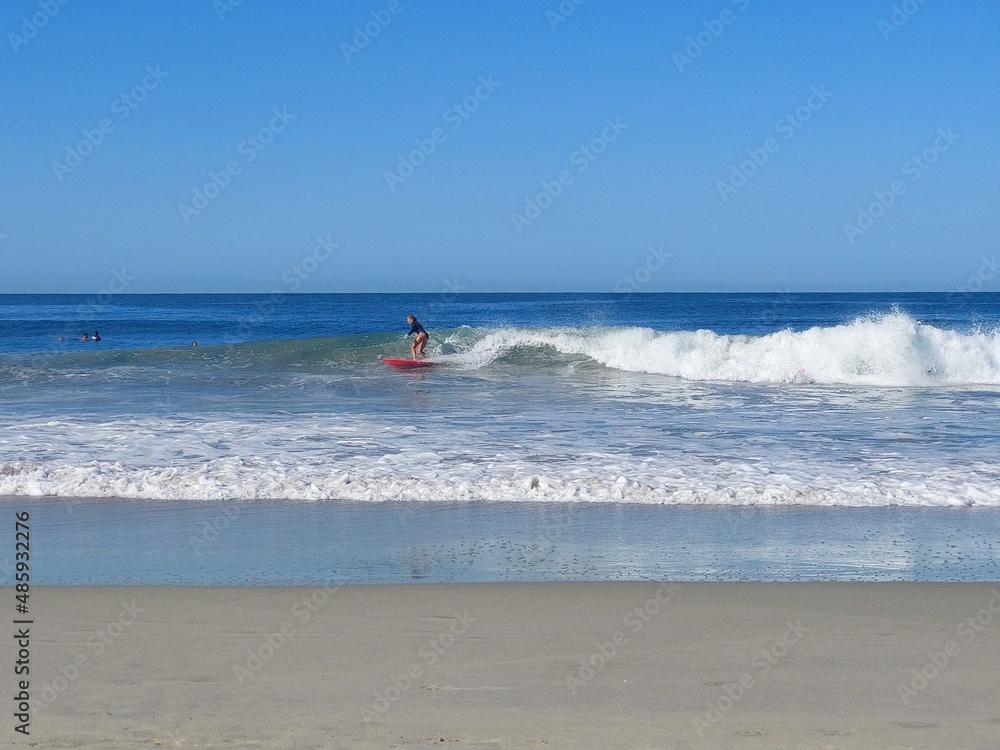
(470, 293)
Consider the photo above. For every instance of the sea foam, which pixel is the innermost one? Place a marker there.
(885, 350)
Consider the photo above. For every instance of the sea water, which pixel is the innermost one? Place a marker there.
(728, 400)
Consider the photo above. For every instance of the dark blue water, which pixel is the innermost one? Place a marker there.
(34, 323)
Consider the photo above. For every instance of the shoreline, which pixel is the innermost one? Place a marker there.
(589, 665)
(113, 542)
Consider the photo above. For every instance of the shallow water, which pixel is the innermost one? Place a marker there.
(114, 542)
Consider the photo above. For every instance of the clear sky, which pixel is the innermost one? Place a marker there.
(208, 145)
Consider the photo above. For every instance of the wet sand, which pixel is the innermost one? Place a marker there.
(588, 665)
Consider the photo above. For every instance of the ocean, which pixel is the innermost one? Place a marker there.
(768, 402)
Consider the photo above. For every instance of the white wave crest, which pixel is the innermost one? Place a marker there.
(885, 350)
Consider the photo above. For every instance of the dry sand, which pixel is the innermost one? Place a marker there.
(816, 665)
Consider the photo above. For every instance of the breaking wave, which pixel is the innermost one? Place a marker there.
(886, 350)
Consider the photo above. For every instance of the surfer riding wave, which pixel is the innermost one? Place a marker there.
(417, 347)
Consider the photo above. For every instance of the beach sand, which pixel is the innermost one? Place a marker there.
(689, 665)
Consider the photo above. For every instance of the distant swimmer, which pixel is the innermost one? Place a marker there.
(96, 336)
(194, 343)
(85, 336)
(417, 348)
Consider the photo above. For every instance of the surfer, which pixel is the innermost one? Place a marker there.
(417, 347)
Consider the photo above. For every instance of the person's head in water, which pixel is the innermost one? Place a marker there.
(96, 336)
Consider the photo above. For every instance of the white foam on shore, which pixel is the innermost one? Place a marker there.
(320, 460)
(234, 479)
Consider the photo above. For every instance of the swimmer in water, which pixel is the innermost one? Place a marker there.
(417, 347)
(96, 336)
(84, 337)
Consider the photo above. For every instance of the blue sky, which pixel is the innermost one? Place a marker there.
(621, 145)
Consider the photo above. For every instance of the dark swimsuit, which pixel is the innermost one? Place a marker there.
(416, 328)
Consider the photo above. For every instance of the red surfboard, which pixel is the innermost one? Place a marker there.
(405, 364)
